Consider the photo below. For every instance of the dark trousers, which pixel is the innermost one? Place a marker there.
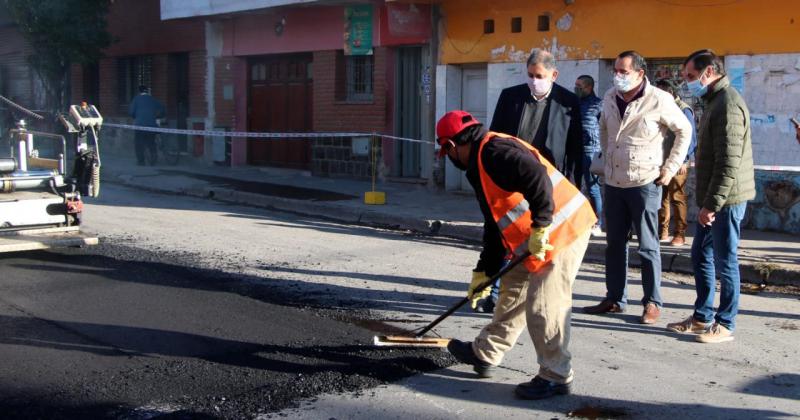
(145, 144)
(624, 208)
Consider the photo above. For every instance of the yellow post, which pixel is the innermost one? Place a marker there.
(374, 197)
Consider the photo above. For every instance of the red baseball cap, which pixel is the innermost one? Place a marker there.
(450, 125)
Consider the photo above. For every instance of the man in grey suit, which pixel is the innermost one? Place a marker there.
(545, 115)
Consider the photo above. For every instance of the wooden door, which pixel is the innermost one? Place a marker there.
(280, 101)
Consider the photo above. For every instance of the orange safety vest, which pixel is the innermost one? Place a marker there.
(572, 215)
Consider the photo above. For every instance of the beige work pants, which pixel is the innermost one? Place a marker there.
(542, 301)
(675, 194)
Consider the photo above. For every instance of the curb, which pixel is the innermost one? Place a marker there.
(671, 261)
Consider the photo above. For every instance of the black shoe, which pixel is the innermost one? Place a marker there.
(606, 306)
(462, 351)
(487, 306)
(539, 388)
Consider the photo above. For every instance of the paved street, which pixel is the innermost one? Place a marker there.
(197, 308)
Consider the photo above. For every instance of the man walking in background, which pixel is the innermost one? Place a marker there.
(145, 110)
(725, 182)
(674, 193)
(591, 106)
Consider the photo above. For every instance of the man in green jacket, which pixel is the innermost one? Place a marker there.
(725, 182)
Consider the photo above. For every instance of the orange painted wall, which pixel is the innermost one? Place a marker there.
(603, 28)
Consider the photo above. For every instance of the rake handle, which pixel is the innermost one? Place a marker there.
(479, 289)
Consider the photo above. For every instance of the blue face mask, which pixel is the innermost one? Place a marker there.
(696, 87)
(623, 83)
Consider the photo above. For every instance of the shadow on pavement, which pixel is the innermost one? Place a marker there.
(780, 385)
(485, 393)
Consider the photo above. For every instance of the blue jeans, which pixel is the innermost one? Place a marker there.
(714, 253)
(496, 286)
(593, 187)
(635, 207)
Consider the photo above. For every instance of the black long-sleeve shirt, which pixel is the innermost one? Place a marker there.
(513, 168)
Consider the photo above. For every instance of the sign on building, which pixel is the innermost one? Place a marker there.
(358, 30)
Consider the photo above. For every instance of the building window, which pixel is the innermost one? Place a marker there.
(132, 72)
(355, 78)
(258, 72)
(670, 69)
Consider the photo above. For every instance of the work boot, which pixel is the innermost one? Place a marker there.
(716, 334)
(607, 305)
(689, 326)
(539, 388)
(462, 351)
(650, 314)
(678, 240)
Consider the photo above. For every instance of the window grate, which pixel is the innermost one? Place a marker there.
(358, 80)
(131, 73)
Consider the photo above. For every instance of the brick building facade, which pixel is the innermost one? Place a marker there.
(275, 69)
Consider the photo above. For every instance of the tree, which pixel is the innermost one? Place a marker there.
(61, 32)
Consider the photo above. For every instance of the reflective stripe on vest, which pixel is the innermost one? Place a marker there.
(571, 208)
(520, 209)
(573, 215)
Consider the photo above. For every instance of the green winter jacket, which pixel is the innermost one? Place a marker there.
(724, 157)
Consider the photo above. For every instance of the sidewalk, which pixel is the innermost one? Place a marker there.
(412, 207)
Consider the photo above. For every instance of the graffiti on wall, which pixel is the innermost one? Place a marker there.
(777, 203)
(775, 208)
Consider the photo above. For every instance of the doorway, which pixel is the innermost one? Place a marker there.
(179, 97)
(408, 111)
(472, 93)
(280, 100)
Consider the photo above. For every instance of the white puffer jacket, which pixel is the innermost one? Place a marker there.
(632, 146)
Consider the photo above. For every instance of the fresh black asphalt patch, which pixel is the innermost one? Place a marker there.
(122, 333)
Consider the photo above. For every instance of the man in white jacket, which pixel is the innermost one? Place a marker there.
(634, 122)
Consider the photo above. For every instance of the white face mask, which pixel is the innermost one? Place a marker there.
(539, 87)
(624, 83)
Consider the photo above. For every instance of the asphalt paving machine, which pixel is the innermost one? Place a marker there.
(40, 204)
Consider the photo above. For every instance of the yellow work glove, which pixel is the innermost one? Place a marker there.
(478, 278)
(538, 242)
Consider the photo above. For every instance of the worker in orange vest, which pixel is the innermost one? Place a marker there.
(528, 206)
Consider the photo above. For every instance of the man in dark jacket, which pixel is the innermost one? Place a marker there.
(725, 182)
(145, 110)
(544, 114)
(591, 106)
(541, 299)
